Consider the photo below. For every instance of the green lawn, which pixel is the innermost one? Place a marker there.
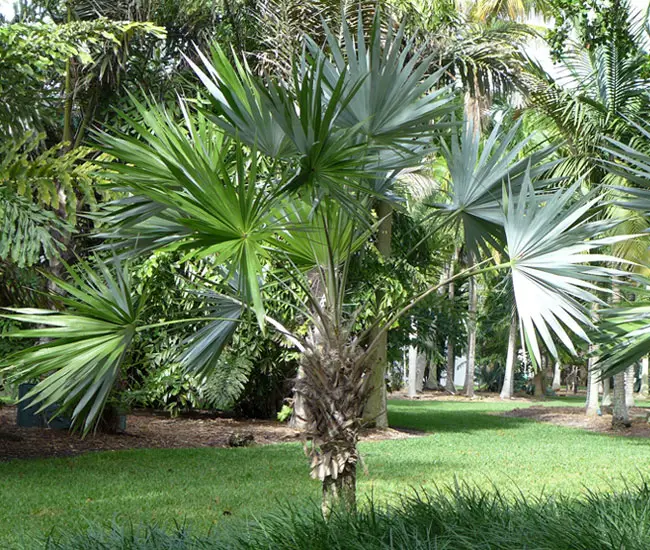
(206, 486)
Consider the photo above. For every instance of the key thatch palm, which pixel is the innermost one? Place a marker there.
(277, 186)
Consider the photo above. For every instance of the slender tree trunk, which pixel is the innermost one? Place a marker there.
(471, 337)
(592, 385)
(643, 391)
(620, 415)
(420, 367)
(450, 385)
(539, 380)
(412, 370)
(375, 413)
(298, 419)
(607, 393)
(629, 386)
(509, 379)
(557, 377)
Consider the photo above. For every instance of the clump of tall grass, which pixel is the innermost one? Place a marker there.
(462, 518)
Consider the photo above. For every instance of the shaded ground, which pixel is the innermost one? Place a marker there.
(574, 417)
(149, 430)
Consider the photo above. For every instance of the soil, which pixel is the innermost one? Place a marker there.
(575, 417)
(146, 429)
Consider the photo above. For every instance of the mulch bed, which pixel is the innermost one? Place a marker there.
(575, 417)
(145, 429)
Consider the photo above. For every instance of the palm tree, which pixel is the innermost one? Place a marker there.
(477, 171)
(275, 185)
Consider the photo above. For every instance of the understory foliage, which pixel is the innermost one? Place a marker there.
(461, 517)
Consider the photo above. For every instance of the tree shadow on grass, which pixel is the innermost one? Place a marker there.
(436, 421)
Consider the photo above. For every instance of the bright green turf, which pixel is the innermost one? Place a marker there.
(199, 485)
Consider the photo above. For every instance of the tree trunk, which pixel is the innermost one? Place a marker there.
(620, 416)
(413, 371)
(340, 493)
(450, 385)
(557, 377)
(592, 386)
(509, 379)
(334, 387)
(539, 381)
(375, 413)
(471, 337)
(643, 391)
(607, 393)
(629, 386)
(432, 379)
(298, 419)
(420, 367)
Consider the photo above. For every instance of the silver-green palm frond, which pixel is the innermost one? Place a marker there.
(478, 170)
(550, 245)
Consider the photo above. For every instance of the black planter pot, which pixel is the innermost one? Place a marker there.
(27, 417)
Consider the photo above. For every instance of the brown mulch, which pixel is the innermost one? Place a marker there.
(146, 429)
(575, 417)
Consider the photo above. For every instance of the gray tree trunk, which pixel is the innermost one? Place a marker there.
(375, 412)
(629, 386)
(509, 379)
(592, 387)
(607, 393)
(643, 391)
(298, 419)
(432, 380)
(620, 415)
(450, 385)
(412, 371)
(471, 338)
(420, 367)
(557, 377)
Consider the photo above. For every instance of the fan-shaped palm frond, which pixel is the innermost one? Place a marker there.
(477, 172)
(190, 196)
(550, 240)
(87, 344)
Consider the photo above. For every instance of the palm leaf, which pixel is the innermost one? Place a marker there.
(88, 343)
(550, 244)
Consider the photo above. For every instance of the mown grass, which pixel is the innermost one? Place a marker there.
(205, 488)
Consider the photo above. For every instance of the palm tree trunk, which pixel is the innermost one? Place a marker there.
(340, 492)
(592, 387)
(607, 393)
(432, 379)
(471, 338)
(643, 391)
(412, 371)
(334, 388)
(450, 385)
(620, 415)
(375, 413)
(420, 367)
(509, 379)
(630, 376)
(557, 377)
(298, 419)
